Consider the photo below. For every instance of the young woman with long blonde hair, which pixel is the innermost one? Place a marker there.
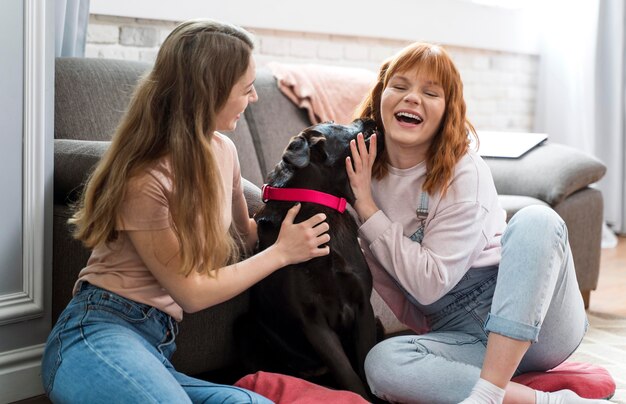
(487, 299)
(165, 216)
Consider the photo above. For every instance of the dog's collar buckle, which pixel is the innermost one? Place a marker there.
(303, 195)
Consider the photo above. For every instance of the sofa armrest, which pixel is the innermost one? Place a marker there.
(74, 160)
(550, 172)
(252, 193)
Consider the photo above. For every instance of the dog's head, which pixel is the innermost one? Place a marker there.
(315, 158)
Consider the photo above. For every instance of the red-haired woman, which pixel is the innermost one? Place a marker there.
(487, 300)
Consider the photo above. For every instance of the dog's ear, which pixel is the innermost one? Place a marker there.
(317, 149)
(369, 128)
(297, 152)
(315, 138)
(380, 141)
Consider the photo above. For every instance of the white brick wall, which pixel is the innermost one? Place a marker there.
(103, 34)
(500, 87)
(146, 37)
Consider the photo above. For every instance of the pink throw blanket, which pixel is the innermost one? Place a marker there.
(329, 93)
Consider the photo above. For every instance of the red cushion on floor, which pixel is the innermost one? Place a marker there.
(283, 389)
(587, 380)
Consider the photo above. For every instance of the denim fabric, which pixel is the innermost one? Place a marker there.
(533, 296)
(108, 349)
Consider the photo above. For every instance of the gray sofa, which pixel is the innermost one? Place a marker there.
(90, 96)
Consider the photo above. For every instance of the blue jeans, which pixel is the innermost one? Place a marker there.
(108, 349)
(533, 296)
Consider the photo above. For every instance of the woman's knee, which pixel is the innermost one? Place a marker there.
(377, 364)
(536, 222)
(383, 364)
(374, 357)
(537, 215)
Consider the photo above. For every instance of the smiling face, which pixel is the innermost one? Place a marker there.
(242, 93)
(412, 107)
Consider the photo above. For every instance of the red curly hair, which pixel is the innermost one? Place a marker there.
(452, 141)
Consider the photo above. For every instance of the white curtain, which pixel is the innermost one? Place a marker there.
(71, 19)
(611, 110)
(580, 92)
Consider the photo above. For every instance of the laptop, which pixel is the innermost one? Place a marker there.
(507, 144)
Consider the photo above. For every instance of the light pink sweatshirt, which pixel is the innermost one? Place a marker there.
(462, 231)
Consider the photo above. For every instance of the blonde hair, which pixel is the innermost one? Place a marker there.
(172, 113)
(452, 140)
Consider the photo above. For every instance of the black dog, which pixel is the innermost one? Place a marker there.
(313, 320)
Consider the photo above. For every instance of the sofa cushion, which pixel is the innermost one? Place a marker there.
(91, 95)
(252, 193)
(273, 120)
(205, 340)
(246, 150)
(550, 172)
(586, 379)
(285, 389)
(74, 160)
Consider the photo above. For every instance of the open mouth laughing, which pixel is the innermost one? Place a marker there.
(408, 117)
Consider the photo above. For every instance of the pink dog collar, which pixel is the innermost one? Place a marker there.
(303, 195)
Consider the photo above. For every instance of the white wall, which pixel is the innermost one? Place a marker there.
(26, 171)
(11, 98)
(494, 47)
(453, 22)
(499, 86)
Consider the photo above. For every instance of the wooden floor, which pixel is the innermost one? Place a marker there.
(610, 296)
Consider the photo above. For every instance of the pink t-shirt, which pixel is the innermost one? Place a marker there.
(462, 231)
(117, 267)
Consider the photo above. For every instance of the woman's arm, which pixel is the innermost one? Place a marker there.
(243, 225)
(252, 237)
(428, 270)
(159, 249)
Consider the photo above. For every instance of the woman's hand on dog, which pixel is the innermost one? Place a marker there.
(359, 168)
(298, 242)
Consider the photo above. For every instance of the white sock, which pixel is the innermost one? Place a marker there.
(485, 392)
(563, 397)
